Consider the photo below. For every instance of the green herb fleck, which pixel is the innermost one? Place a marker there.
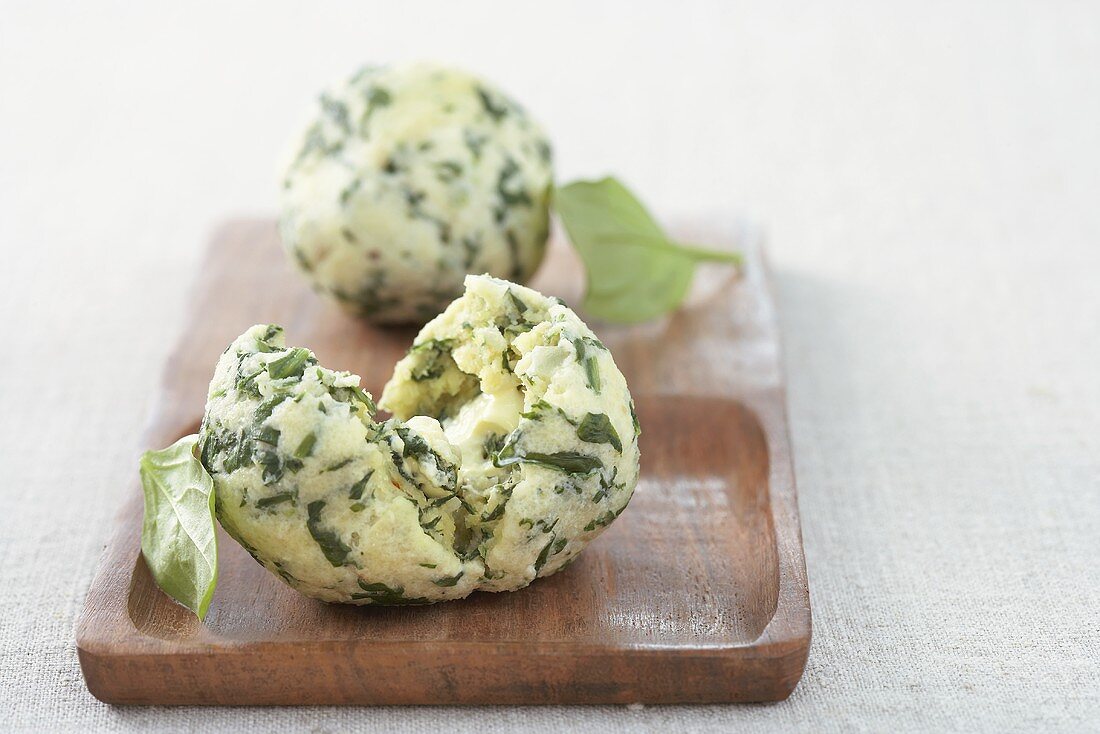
(545, 153)
(475, 143)
(337, 111)
(597, 428)
(345, 196)
(448, 170)
(305, 448)
(385, 595)
(591, 365)
(415, 445)
(448, 580)
(516, 271)
(247, 383)
(492, 445)
(338, 465)
(570, 462)
(291, 364)
(434, 360)
(510, 189)
(377, 98)
(541, 408)
(544, 555)
(271, 464)
(605, 519)
(275, 499)
(496, 110)
(471, 246)
(267, 407)
(328, 539)
(356, 491)
(268, 435)
(353, 393)
(519, 304)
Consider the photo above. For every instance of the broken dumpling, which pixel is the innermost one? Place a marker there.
(513, 444)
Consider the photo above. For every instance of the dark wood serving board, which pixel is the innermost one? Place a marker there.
(696, 594)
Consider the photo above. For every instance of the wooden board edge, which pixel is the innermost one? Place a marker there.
(725, 675)
(793, 618)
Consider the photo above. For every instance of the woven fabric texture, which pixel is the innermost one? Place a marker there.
(928, 176)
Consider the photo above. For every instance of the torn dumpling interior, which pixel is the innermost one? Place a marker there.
(513, 443)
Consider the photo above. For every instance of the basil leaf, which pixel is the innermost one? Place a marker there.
(177, 533)
(635, 273)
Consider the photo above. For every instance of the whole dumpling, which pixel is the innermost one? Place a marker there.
(513, 443)
(409, 178)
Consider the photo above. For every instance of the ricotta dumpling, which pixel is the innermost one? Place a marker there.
(513, 443)
(342, 507)
(540, 417)
(407, 179)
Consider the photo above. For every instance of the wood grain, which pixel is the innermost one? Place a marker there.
(696, 594)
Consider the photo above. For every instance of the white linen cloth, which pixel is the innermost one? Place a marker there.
(928, 175)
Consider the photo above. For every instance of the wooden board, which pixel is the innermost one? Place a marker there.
(696, 594)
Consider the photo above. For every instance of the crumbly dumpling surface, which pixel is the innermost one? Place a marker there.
(513, 443)
(540, 415)
(409, 178)
(341, 507)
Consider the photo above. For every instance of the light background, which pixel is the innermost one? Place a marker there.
(928, 175)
